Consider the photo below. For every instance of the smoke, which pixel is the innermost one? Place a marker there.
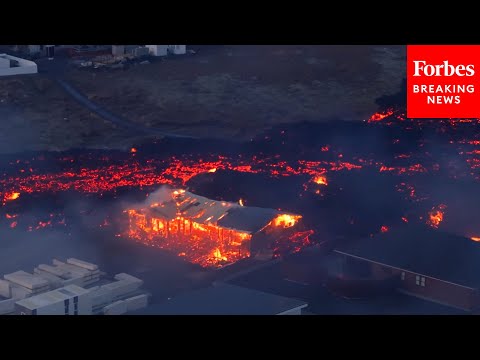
(162, 194)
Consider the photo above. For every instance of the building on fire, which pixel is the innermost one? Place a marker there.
(421, 262)
(74, 287)
(210, 232)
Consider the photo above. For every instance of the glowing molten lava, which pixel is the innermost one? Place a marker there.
(379, 116)
(12, 196)
(384, 229)
(241, 202)
(435, 216)
(212, 170)
(133, 150)
(475, 238)
(320, 180)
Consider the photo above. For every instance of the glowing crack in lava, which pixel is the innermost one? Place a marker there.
(435, 216)
(379, 116)
(212, 233)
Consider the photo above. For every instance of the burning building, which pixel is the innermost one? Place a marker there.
(212, 233)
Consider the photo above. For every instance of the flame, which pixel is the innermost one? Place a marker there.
(12, 196)
(212, 170)
(320, 180)
(286, 220)
(133, 150)
(200, 238)
(241, 202)
(198, 243)
(435, 216)
(218, 255)
(475, 238)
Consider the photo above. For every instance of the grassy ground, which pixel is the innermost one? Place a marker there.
(221, 91)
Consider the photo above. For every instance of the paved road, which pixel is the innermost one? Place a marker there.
(55, 69)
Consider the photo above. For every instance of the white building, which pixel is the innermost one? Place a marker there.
(12, 65)
(177, 49)
(164, 50)
(43, 291)
(158, 50)
(68, 300)
(35, 49)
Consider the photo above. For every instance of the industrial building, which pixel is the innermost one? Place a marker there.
(74, 287)
(207, 231)
(12, 65)
(225, 299)
(417, 261)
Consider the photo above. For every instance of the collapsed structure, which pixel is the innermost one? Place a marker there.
(210, 232)
(74, 287)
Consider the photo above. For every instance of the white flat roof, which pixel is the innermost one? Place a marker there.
(52, 297)
(26, 280)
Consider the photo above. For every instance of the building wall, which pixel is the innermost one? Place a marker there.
(7, 306)
(178, 49)
(429, 288)
(60, 307)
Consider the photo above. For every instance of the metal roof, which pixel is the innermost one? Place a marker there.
(202, 210)
(224, 299)
(425, 251)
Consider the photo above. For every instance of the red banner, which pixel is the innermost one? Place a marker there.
(442, 81)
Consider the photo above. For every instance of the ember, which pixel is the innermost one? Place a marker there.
(384, 229)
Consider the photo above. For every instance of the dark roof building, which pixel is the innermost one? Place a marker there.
(225, 299)
(430, 264)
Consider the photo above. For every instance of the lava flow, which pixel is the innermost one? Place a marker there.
(406, 154)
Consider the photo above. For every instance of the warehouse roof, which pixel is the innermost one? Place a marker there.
(425, 251)
(224, 299)
(224, 214)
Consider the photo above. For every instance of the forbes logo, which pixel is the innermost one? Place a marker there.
(421, 68)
